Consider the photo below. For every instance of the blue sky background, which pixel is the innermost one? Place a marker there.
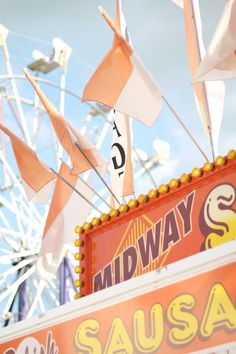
(157, 31)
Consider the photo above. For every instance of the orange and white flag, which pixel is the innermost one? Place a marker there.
(67, 209)
(36, 176)
(68, 135)
(209, 96)
(121, 170)
(123, 83)
(219, 63)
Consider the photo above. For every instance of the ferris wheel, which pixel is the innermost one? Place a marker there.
(22, 293)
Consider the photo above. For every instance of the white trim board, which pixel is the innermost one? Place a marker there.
(157, 279)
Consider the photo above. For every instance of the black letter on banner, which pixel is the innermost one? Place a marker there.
(115, 128)
(122, 155)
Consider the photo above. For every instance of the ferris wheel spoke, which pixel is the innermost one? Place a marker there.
(23, 227)
(40, 289)
(15, 268)
(23, 216)
(41, 304)
(22, 122)
(86, 123)
(105, 130)
(18, 218)
(17, 283)
(9, 240)
(28, 208)
(13, 233)
(11, 257)
(4, 219)
(51, 293)
(4, 250)
(13, 209)
(10, 301)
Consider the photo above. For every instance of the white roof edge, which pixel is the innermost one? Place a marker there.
(157, 279)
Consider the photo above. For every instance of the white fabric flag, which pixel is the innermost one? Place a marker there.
(209, 96)
(121, 163)
(37, 179)
(219, 62)
(67, 209)
(122, 181)
(123, 83)
(68, 136)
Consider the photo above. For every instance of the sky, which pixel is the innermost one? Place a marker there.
(157, 31)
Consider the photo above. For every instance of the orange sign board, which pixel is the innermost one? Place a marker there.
(197, 216)
(188, 316)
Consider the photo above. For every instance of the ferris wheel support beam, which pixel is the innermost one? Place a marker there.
(13, 208)
(71, 272)
(41, 304)
(22, 296)
(146, 170)
(8, 237)
(10, 257)
(62, 111)
(94, 107)
(85, 125)
(62, 289)
(15, 268)
(3, 43)
(17, 283)
(40, 289)
(36, 119)
(9, 303)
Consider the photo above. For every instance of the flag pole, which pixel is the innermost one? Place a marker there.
(184, 127)
(203, 84)
(95, 169)
(92, 189)
(117, 32)
(211, 142)
(74, 189)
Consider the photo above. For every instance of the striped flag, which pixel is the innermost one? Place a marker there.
(209, 96)
(122, 181)
(68, 135)
(123, 83)
(36, 176)
(219, 62)
(67, 209)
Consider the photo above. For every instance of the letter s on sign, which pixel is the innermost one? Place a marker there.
(85, 338)
(185, 323)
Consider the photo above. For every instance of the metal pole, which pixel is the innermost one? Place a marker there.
(184, 127)
(62, 290)
(61, 107)
(94, 191)
(36, 117)
(71, 272)
(74, 189)
(95, 169)
(22, 298)
(202, 84)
